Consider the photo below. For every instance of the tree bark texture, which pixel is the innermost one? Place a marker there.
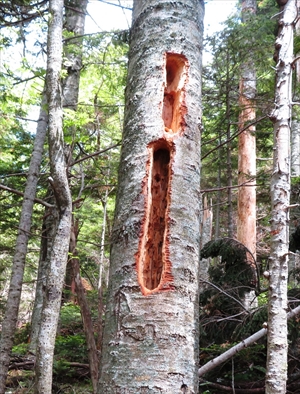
(295, 147)
(246, 220)
(74, 22)
(246, 223)
(206, 232)
(150, 342)
(84, 306)
(59, 183)
(48, 231)
(14, 293)
(295, 128)
(280, 198)
(75, 12)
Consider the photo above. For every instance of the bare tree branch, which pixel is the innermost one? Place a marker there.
(38, 200)
(241, 345)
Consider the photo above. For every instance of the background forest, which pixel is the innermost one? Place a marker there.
(94, 78)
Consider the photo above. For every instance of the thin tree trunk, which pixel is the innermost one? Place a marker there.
(246, 222)
(228, 151)
(295, 127)
(84, 308)
(218, 203)
(75, 21)
(150, 341)
(295, 146)
(206, 231)
(280, 197)
(14, 294)
(48, 231)
(59, 183)
(75, 11)
(101, 266)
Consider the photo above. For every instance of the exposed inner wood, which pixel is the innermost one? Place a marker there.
(173, 94)
(154, 251)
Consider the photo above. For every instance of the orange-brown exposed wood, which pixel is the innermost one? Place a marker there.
(174, 107)
(153, 265)
(152, 259)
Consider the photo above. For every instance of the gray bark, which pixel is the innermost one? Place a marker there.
(295, 127)
(295, 148)
(74, 23)
(48, 232)
(14, 294)
(150, 341)
(206, 232)
(59, 183)
(280, 197)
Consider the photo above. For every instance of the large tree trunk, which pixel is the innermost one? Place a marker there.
(150, 341)
(14, 294)
(246, 222)
(59, 183)
(280, 194)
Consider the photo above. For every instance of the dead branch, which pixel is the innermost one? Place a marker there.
(241, 345)
(38, 200)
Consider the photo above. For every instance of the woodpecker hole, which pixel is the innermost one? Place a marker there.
(153, 264)
(173, 105)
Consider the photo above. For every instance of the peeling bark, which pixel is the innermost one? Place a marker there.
(150, 341)
(280, 196)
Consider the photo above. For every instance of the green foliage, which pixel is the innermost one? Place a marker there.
(70, 318)
(237, 43)
(22, 334)
(233, 259)
(20, 350)
(71, 348)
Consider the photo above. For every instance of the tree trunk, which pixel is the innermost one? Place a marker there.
(295, 127)
(295, 146)
(246, 222)
(75, 11)
(206, 231)
(84, 307)
(75, 21)
(48, 231)
(59, 183)
(14, 294)
(246, 227)
(280, 195)
(228, 153)
(150, 341)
